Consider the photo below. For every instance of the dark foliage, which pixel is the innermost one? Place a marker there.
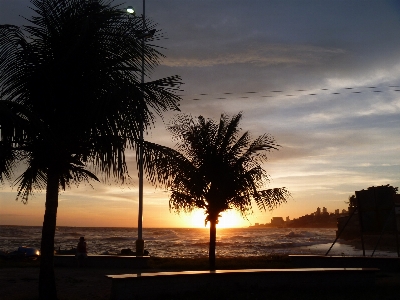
(72, 101)
(215, 168)
(352, 201)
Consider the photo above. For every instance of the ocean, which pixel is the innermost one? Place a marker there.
(186, 242)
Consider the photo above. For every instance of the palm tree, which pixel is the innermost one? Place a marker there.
(72, 102)
(215, 169)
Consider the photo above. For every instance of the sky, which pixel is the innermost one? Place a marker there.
(322, 77)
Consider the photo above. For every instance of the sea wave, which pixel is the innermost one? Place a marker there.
(178, 242)
(118, 238)
(240, 237)
(301, 234)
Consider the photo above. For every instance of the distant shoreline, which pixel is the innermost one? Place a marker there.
(293, 227)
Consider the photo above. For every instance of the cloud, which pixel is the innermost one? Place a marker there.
(332, 144)
(257, 55)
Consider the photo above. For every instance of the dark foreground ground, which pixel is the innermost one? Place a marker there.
(19, 280)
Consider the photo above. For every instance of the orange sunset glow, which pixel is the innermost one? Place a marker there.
(331, 102)
(228, 219)
(157, 149)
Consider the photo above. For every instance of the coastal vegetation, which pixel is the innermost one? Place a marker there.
(216, 168)
(72, 103)
(311, 220)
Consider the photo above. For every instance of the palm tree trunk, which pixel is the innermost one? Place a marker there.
(47, 281)
(213, 239)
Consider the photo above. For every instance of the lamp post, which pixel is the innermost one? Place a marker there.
(143, 36)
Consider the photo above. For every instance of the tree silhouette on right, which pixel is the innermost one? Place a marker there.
(216, 168)
(352, 200)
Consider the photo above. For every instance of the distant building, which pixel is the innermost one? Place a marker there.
(336, 211)
(324, 210)
(344, 211)
(318, 211)
(287, 219)
(277, 222)
(397, 199)
(257, 224)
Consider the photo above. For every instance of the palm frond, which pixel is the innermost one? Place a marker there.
(75, 174)
(13, 48)
(8, 161)
(75, 68)
(183, 202)
(222, 169)
(272, 198)
(33, 178)
(229, 132)
(16, 127)
(239, 146)
(163, 164)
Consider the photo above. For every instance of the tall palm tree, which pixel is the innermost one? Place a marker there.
(72, 102)
(215, 168)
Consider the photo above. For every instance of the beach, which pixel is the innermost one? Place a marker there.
(185, 249)
(20, 281)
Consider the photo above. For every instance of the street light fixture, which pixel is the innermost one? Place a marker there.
(130, 10)
(142, 36)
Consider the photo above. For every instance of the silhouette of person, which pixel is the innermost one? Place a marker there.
(81, 251)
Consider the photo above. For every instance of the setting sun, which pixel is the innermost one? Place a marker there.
(228, 219)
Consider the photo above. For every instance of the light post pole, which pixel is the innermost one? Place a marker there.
(143, 36)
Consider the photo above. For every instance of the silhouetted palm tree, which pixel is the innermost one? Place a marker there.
(72, 102)
(215, 169)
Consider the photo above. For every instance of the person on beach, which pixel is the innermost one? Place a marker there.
(81, 251)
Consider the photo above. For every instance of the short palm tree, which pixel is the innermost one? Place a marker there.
(215, 168)
(72, 102)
